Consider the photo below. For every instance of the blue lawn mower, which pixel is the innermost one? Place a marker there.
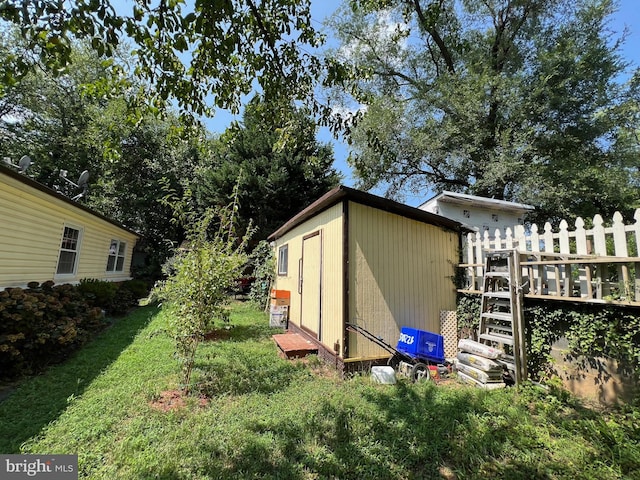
(415, 351)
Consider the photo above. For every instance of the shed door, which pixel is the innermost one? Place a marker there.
(311, 287)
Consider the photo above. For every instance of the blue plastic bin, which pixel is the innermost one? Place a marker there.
(421, 344)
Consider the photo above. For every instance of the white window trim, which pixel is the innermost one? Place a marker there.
(283, 271)
(78, 250)
(115, 263)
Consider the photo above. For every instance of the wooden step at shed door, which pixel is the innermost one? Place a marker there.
(501, 323)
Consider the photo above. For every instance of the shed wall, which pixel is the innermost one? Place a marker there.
(330, 223)
(401, 273)
(31, 228)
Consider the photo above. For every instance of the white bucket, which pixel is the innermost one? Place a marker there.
(385, 375)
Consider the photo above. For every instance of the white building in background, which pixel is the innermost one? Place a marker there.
(478, 213)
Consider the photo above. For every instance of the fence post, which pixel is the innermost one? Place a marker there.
(478, 259)
(620, 245)
(564, 248)
(581, 249)
(600, 249)
(552, 273)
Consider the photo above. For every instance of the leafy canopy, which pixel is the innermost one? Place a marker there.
(202, 54)
(511, 99)
(276, 161)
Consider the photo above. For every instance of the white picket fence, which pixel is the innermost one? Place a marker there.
(601, 264)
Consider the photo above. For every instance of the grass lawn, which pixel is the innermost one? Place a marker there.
(271, 418)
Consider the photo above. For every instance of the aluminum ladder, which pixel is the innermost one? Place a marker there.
(501, 319)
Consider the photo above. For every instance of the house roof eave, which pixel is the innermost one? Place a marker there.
(52, 193)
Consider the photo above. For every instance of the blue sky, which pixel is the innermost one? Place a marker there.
(628, 15)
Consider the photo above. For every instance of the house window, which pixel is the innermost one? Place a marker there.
(466, 213)
(283, 260)
(69, 250)
(115, 261)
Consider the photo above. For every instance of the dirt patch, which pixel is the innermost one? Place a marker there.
(218, 334)
(171, 400)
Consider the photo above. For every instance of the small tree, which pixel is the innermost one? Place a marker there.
(200, 276)
(264, 267)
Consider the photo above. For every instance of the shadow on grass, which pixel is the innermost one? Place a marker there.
(40, 400)
(392, 434)
(246, 372)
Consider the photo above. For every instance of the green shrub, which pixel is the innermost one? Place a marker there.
(138, 288)
(43, 325)
(99, 293)
(199, 277)
(263, 262)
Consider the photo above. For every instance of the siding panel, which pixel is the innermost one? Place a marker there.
(31, 227)
(330, 222)
(402, 275)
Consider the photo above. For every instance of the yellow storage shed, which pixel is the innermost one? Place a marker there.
(46, 236)
(359, 258)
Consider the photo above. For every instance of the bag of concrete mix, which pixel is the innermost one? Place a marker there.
(481, 363)
(468, 345)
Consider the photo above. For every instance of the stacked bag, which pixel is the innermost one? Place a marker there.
(476, 364)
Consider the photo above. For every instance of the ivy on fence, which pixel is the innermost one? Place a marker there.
(591, 331)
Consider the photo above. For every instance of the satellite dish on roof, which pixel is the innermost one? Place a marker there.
(23, 165)
(83, 183)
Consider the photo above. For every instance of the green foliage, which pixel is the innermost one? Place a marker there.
(200, 276)
(85, 119)
(42, 325)
(544, 324)
(264, 269)
(590, 330)
(468, 315)
(276, 162)
(116, 298)
(99, 293)
(515, 100)
(230, 45)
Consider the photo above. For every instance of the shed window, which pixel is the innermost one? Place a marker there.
(115, 261)
(69, 250)
(283, 260)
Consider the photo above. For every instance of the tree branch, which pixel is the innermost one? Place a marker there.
(444, 51)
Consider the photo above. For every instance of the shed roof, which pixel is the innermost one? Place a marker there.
(38, 186)
(474, 200)
(341, 192)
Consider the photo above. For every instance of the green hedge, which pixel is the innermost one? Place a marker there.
(43, 324)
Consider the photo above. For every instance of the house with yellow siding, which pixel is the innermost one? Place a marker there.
(353, 257)
(46, 236)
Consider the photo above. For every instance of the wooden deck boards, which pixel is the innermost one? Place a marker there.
(293, 345)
